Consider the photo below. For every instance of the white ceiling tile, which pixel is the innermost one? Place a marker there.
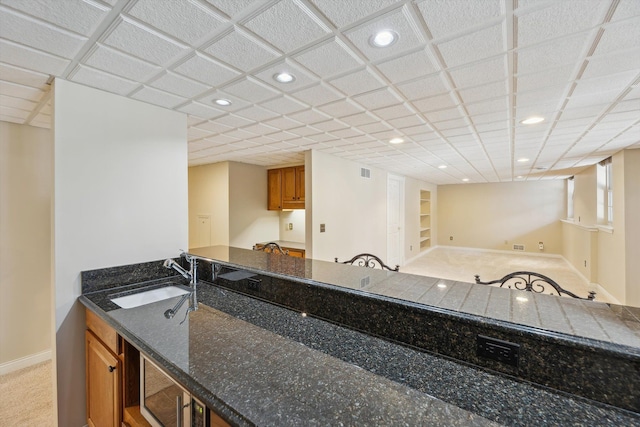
(342, 59)
(421, 88)
(408, 67)
(98, 79)
(194, 133)
(187, 21)
(201, 110)
(393, 112)
(234, 121)
(374, 127)
(434, 103)
(206, 70)
(178, 85)
(120, 64)
(358, 82)
(302, 78)
(548, 95)
(342, 13)
(484, 92)
(328, 125)
(241, 134)
(549, 77)
(23, 77)
(446, 17)
(345, 133)
(481, 73)
(284, 123)
(473, 47)
(561, 18)
(377, 99)
(20, 91)
(597, 98)
(256, 113)
(158, 97)
(31, 59)
(445, 120)
(284, 105)
(18, 103)
(359, 119)
(38, 35)
(14, 114)
(611, 64)
(260, 129)
(231, 7)
(317, 95)
(304, 131)
(142, 41)
(76, 15)
(420, 131)
(344, 107)
(610, 82)
(551, 54)
(302, 28)
(282, 136)
(310, 116)
(241, 50)
(251, 90)
(396, 20)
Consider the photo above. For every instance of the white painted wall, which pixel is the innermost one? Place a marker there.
(632, 225)
(26, 175)
(120, 197)
(352, 208)
(297, 218)
(486, 215)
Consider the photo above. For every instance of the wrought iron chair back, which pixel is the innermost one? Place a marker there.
(368, 260)
(272, 248)
(532, 282)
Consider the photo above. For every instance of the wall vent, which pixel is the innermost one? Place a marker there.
(365, 173)
(517, 247)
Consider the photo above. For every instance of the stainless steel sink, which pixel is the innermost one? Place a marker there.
(147, 297)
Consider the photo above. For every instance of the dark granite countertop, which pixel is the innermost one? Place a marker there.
(256, 363)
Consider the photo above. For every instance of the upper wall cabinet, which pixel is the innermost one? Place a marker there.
(286, 188)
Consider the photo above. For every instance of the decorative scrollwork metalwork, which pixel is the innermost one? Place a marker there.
(272, 248)
(368, 260)
(532, 282)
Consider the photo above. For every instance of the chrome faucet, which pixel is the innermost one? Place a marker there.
(192, 275)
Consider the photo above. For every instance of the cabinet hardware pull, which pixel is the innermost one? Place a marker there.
(112, 368)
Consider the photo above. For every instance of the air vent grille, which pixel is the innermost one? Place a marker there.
(365, 173)
(517, 247)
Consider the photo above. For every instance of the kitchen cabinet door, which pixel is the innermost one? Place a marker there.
(103, 385)
(274, 189)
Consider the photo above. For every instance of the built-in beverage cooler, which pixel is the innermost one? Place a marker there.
(164, 403)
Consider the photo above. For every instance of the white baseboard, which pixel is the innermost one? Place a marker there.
(501, 251)
(421, 253)
(24, 362)
(602, 291)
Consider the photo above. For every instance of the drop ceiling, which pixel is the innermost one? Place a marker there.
(455, 84)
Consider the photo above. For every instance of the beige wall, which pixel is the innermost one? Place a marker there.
(234, 197)
(249, 220)
(585, 197)
(26, 174)
(579, 248)
(486, 215)
(120, 197)
(297, 219)
(632, 225)
(209, 197)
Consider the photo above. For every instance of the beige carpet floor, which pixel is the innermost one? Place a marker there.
(461, 264)
(26, 397)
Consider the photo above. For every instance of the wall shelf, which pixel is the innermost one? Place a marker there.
(425, 220)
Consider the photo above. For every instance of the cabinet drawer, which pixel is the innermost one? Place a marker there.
(103, 331)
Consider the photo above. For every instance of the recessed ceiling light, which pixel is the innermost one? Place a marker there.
(383, 38)
(523, 160)
(465, 179)
(284, 77)
(532, 120)
(396, 140)
(223, 102)
(442, 167)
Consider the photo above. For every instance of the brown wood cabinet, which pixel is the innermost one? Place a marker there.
(286, 188)
(103, 383)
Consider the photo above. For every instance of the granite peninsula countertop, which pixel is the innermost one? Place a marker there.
(259, 364)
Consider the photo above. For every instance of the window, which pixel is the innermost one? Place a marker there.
(605, 192)
(571, 185)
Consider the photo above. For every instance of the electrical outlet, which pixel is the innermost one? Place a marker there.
(450, 237)
(410, 247)
(495, 349)
(290, 226)
(322, 228)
